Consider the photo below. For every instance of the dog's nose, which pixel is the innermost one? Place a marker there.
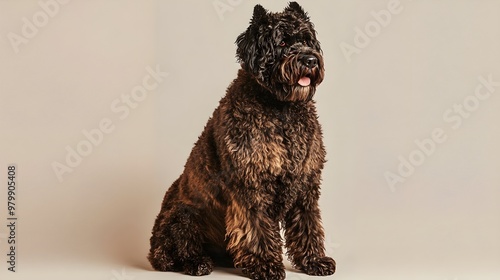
(310, 61)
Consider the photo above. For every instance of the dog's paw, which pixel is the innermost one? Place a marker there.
(320, 266)
(203, 266)
(267, 271)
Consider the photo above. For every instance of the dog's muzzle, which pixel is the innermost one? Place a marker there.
(309, 62)
(298, 74)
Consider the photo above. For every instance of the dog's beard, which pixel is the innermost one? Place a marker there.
(301, 93)
(296, 81)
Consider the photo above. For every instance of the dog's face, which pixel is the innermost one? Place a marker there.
(281, 51)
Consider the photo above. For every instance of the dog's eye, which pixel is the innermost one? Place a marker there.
(282, 44)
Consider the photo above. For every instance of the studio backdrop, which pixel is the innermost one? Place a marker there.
(102, 101)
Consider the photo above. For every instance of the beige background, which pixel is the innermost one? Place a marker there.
(441, 223)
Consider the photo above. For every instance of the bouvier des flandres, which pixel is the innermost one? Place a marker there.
(256, 168)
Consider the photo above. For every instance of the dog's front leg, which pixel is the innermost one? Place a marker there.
(305, 236)
(254, 241)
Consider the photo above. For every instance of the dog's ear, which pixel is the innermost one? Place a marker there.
(249, 51)
(246, 49)
(295, 8)
(259, 13)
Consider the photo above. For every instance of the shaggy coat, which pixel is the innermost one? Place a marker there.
(256, 168)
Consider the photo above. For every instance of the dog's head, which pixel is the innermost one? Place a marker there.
(281, 51)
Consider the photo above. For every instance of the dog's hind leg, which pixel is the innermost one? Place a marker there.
(177, 243)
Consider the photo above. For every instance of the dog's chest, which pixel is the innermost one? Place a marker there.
(273, 143)
(282, 143)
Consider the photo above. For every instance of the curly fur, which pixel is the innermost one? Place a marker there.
(256, 166)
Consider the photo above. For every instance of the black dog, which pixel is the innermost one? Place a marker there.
(257, 165)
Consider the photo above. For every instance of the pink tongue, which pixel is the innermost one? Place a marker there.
(304, 81)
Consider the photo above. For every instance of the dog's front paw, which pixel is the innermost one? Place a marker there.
(265, 271)
(198, 267)
(320, 266)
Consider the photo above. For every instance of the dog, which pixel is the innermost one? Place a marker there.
(256, 168)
